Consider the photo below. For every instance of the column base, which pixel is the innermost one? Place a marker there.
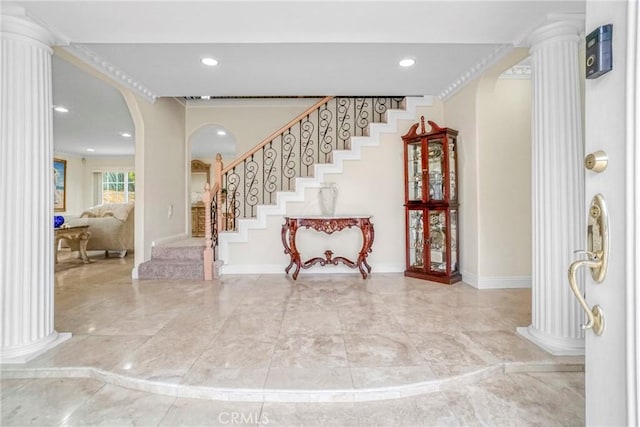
(553, 345)
(30, 352)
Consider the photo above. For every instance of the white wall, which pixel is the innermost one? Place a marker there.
(372, 186)
(494, 119)
(504, 165)
(460, 113)
(161, 172)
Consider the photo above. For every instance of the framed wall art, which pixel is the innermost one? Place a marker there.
(60, 185)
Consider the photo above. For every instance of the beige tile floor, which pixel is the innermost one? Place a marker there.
(322, 337)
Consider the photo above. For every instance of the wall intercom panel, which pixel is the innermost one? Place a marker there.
(599, 55)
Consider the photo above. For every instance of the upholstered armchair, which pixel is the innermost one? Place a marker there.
(111, 226)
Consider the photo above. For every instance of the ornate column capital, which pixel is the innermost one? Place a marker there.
(559, 27)
(16, 25)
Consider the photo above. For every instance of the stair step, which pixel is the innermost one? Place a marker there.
(171, 269)
(194, 253)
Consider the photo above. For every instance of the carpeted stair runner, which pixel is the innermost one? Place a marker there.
(173, 263)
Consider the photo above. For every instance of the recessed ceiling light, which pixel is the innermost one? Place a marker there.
(125, 134)
(221, 132)
(209, 61)
(60, 109)
(407, 62)
(205, 97)
(91, 150)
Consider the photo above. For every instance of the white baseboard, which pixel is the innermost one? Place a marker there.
(134, 273)
(496, 282)
(169, 239)
(329, 269)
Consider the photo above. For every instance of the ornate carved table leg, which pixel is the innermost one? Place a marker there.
(367, 241)
(288, 235)
(287, 249)
(83, 240)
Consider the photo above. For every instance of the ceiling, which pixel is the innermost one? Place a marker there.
(268, 48)
(97, 115)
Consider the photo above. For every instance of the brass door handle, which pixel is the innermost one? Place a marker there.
(598, 260)
(595, 315)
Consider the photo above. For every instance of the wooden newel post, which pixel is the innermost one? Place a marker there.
(207, 196)
(217, 173)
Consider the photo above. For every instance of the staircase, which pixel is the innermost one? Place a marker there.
(276, 171)
(175, 261)
(278, 163)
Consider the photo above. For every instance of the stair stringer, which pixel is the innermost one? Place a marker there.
(303, 183)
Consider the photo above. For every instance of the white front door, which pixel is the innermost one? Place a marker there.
(611, 120)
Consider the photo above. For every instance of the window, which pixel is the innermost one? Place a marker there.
(118, 187)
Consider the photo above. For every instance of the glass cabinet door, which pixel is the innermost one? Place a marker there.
(414, 171)
(453, 193)
(438, 241)
(436, 169)
(415, 235)
(453, 225)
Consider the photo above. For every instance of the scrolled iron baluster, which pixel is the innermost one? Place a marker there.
(232, 208)
(380, 107)
(325, 117)
(251, 198)
(344, 121)
(362, 116)
(270, 180)
(288, 142)
(306, 140)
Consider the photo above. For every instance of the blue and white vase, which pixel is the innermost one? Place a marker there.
(58, 220)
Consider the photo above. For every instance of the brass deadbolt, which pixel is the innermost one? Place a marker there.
(596, 161)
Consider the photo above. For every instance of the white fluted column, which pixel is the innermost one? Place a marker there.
(557, 187)
(26, 190)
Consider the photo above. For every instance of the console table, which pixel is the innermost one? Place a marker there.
(80, 233)
(328, 225)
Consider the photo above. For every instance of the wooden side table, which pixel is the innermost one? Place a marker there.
(328, 225)
(80, 233)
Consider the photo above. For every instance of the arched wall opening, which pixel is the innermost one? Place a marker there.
(204, 144)
(98, 140)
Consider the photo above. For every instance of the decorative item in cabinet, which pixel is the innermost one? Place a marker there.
(431, 203)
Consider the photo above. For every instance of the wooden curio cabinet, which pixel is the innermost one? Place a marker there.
(431, 203)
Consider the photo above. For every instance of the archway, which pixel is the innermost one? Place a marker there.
(204, 144)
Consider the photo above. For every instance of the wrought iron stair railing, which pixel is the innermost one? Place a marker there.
(273, 165)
